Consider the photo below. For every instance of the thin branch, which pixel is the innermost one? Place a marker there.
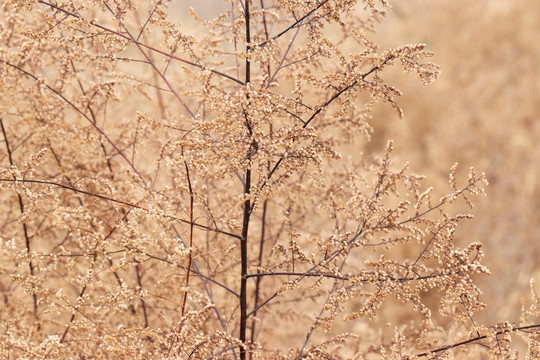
(77, 109)
(291, 273)
(25, 228)
(154, 66)
(448, 347)
(196, 271)
(323, 106)
(143, 302)
(103, 197)
(143, 44)
(321, 312)
(190, 255)
(282, 59)
(85, 286)
(258, 280)
(296, 23)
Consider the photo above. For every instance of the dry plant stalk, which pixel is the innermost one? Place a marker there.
(179, 193)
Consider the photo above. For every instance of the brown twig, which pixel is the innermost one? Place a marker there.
(190, 255)
(335, 96)
(142, 44)
(77, 109)
(103, 197)
(477, 338)
(296, 23)
(25, 228)
(246, 208)
(259, 279)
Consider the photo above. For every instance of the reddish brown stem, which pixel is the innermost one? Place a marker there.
(475, 339)
(135, 206)
(188, 268)
(246, 209)
(142, 44)
(25, 228)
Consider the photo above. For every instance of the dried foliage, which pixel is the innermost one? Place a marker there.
(190, 192)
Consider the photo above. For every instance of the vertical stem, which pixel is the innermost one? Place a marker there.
(259, 278)
(143, 301)
(243, 250)
(25, 229)
(265, 205)
(246, 209)
(190, 256)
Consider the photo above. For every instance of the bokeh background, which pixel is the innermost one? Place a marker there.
(484, 111)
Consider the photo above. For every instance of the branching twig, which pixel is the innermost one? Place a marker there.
(296, 23)
(103, 197)
(25, 228)
(142, 44)
(475, 339)
(335, 96)
(77, 109)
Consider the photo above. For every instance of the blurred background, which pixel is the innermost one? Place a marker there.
(484, 111)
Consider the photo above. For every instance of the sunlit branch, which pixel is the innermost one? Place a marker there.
(103, 197)
(143, 44)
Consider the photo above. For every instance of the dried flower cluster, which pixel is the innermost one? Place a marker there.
(175, 192)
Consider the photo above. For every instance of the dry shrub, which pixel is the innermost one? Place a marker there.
(198, 192)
